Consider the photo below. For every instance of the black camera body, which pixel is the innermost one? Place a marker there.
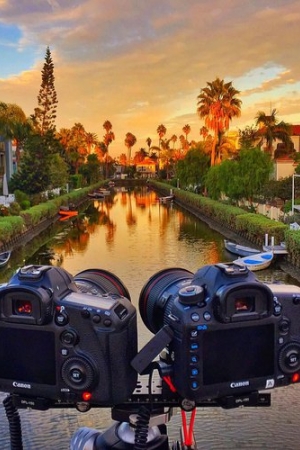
(231, 334)
(66, 339)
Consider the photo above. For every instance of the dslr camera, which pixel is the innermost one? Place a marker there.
(67, 340)
(226, 333)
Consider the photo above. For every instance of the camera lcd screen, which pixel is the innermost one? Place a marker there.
(238, 354)
(27, 355)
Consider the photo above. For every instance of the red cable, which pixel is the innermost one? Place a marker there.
(188, 432)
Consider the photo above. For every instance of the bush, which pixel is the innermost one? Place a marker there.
(14, 209)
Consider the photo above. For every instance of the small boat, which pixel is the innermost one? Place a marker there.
(166, 199)
(104, 191)
(96, 195)
(256, 262)
(67, 211)
(240, 250)
(4, 258)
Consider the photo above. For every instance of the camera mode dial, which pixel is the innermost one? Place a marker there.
(78, 373)
(192, 295)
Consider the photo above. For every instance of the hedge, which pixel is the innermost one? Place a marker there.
(251, 226)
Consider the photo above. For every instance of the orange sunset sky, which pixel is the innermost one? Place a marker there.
(141, 63)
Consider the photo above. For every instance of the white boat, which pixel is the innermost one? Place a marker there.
(4, 257)
(240, 250)
(256, 262)
(166, 199)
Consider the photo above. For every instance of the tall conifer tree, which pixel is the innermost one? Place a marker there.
(45, 114)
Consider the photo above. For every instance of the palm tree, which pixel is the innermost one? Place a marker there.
(161, 131)
(14, 125)
(149, 142)
(218, 104)
(91, 141)
(130, 140)
(108, 138)
(20, 132)
(204, 132)
(271, 130)
(174, 140)
(186, 129)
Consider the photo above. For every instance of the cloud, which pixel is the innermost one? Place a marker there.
(139, 64)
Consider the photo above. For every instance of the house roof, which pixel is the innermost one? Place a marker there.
(146, 162)
(295, 130)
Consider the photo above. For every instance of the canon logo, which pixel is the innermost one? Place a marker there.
(239, 384)
(21, 385)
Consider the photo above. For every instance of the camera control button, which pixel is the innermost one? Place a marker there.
(76, 375)
(296, 300)
(284, 326)
(85, 313)
(207, 316)
(107, 322)
(194, 346)
(194, 359)
(194, 384)
(289, 358)
(277, 308)
(195, 317)
(61, 319)
(96, 318)
(69, 337)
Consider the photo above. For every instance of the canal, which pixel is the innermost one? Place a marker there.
(133, 235)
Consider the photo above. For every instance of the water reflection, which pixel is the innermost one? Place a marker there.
(133, 235)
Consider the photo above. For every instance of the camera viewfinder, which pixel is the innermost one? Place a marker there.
(244, 304)
(23, 307)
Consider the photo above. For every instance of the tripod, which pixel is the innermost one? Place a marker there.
(132, 430)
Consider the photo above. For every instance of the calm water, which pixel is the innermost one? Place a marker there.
(134, 236)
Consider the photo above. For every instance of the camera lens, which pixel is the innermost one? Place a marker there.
(100, 282)
(158, 292)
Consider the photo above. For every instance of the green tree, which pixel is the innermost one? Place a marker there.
(91, 169)
(217, 105)
(242, 178)
(248, 137)
(34, 174)
(193, 168)
(45, 114)
(77, 144)
(271, 130)
(59, 171)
